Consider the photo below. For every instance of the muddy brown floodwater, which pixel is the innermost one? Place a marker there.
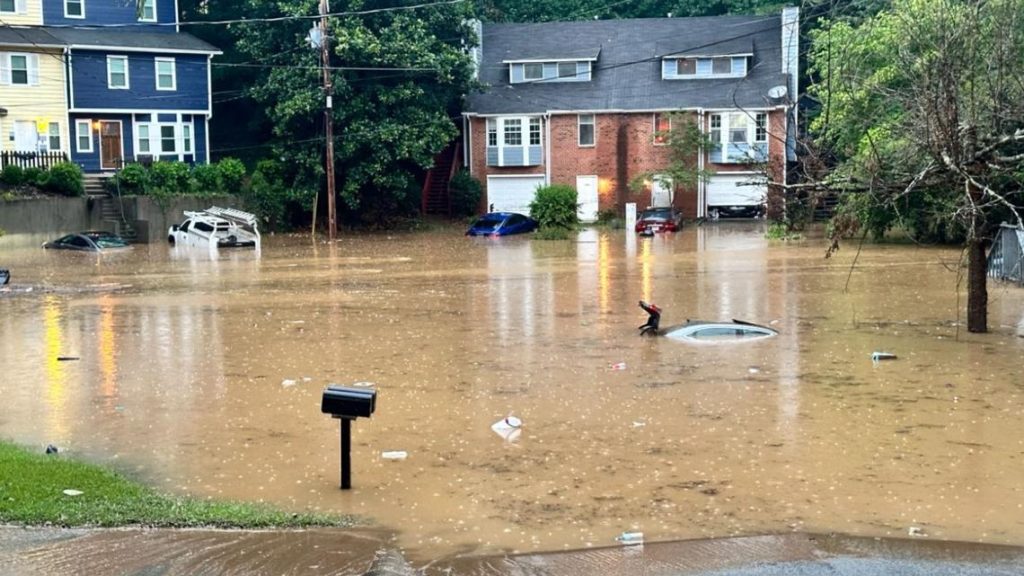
(204, 377)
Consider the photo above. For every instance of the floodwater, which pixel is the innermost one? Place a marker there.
(203, 376)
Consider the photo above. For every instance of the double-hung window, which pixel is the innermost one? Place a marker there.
(534, 131)
(168, 139)
(186, 139)
(662, 126)
(586, 129)
(148, 11)
(117, 72)
(567, 70)
(761, 127)
(492, 132)
(166, 78)
(513, 130)
(83, 136)
(144, 147)
(19, 67)
(53, 137)
(74, 8)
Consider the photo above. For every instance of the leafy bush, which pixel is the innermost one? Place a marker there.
(170, 177)
(552, 234)
(554, 206)
(65, 178)
(267, 193)
(132, 179)
(611, 219)
(35, 176)
(206, 179)
(232, 174)
(464, 194)
(13, 175)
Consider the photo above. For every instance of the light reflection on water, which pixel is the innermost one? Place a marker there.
(185, 368)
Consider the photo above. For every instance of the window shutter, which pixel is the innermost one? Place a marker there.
(5, 68)
(21, 6)
(33, 69)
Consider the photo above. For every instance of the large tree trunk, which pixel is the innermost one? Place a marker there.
(977, 287)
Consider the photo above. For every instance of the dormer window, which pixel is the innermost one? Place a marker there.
(551, 71)
(689, 67)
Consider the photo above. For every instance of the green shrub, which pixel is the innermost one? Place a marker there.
(173, 178)
(206, 179)
(13, 175)
(266, 194)
(554, 206)
(35, 176)
(232, 174)
(65, 178)
(464, 194)
(132, 179)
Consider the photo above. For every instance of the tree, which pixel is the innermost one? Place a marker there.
(921, 106)
(398, 75)
(685, 142)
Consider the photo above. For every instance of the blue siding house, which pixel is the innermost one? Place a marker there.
(138, 89)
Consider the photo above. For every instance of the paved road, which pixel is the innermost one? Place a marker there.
(134, 552)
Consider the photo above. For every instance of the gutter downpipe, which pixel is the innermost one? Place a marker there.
(547, 148)
(701, 184)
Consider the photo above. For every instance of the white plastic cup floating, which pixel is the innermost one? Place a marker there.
(629, 538)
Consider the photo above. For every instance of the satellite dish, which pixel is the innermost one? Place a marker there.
(777, 92)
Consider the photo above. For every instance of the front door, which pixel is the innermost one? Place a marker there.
(586, 198)
(111, 155)
(25, 137)
(661, 192)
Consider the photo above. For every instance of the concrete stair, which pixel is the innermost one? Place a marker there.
(95, 185)
(110, 207)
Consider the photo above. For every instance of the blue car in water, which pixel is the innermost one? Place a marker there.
(502, 224)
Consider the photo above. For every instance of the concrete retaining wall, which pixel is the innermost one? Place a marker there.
(36, 220)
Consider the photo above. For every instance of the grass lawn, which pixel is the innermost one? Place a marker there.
(32, 493)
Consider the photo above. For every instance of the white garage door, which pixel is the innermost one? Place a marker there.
(512, 193)
(737, 190)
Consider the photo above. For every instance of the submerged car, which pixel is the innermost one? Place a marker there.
(653, 220)
(732, 331)
(89, 241)
(502, 224)
(701, 330)
(215, 228)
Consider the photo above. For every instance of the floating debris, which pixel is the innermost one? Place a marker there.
(67, 358)
(879, 356)
(394, 455)
(51, 449)
(630, 538)
(287, 383)
(916, 531)
(509, 428)
(618, 366)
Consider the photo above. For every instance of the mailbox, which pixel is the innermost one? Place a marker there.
(342, 402)
(347, 404)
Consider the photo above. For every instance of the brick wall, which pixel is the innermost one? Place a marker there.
(624, 149)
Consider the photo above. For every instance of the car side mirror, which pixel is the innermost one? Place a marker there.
(174, 227)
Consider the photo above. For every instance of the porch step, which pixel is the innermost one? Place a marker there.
(95, 185)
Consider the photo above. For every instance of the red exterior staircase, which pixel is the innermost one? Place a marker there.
(435, 197)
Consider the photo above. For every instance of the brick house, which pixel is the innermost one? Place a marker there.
(582, 103)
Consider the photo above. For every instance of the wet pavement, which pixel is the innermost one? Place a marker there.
(203, 377)
(132, 552)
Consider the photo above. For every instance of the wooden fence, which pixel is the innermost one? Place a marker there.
(41, 160)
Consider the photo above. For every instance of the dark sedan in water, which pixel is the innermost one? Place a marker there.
(90, 241)
(502, 224)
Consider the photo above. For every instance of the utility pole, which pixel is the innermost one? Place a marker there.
(325, 64)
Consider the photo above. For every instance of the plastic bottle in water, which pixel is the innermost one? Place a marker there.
(630, 538)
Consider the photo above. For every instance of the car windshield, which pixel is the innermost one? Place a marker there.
(721, 333)
(656, 214)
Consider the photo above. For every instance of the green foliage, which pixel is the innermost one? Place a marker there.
(12, 175)
(172, 177)
(132, 179)
(65, 178)
(464, 193)
(611, 219)
(270, 196)
(33, 494)
(231, 175)
(391, 125)
(35, 176)
(780, 231)
(206, 180)
(555, 206)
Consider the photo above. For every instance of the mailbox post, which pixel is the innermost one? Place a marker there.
(347, 404)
